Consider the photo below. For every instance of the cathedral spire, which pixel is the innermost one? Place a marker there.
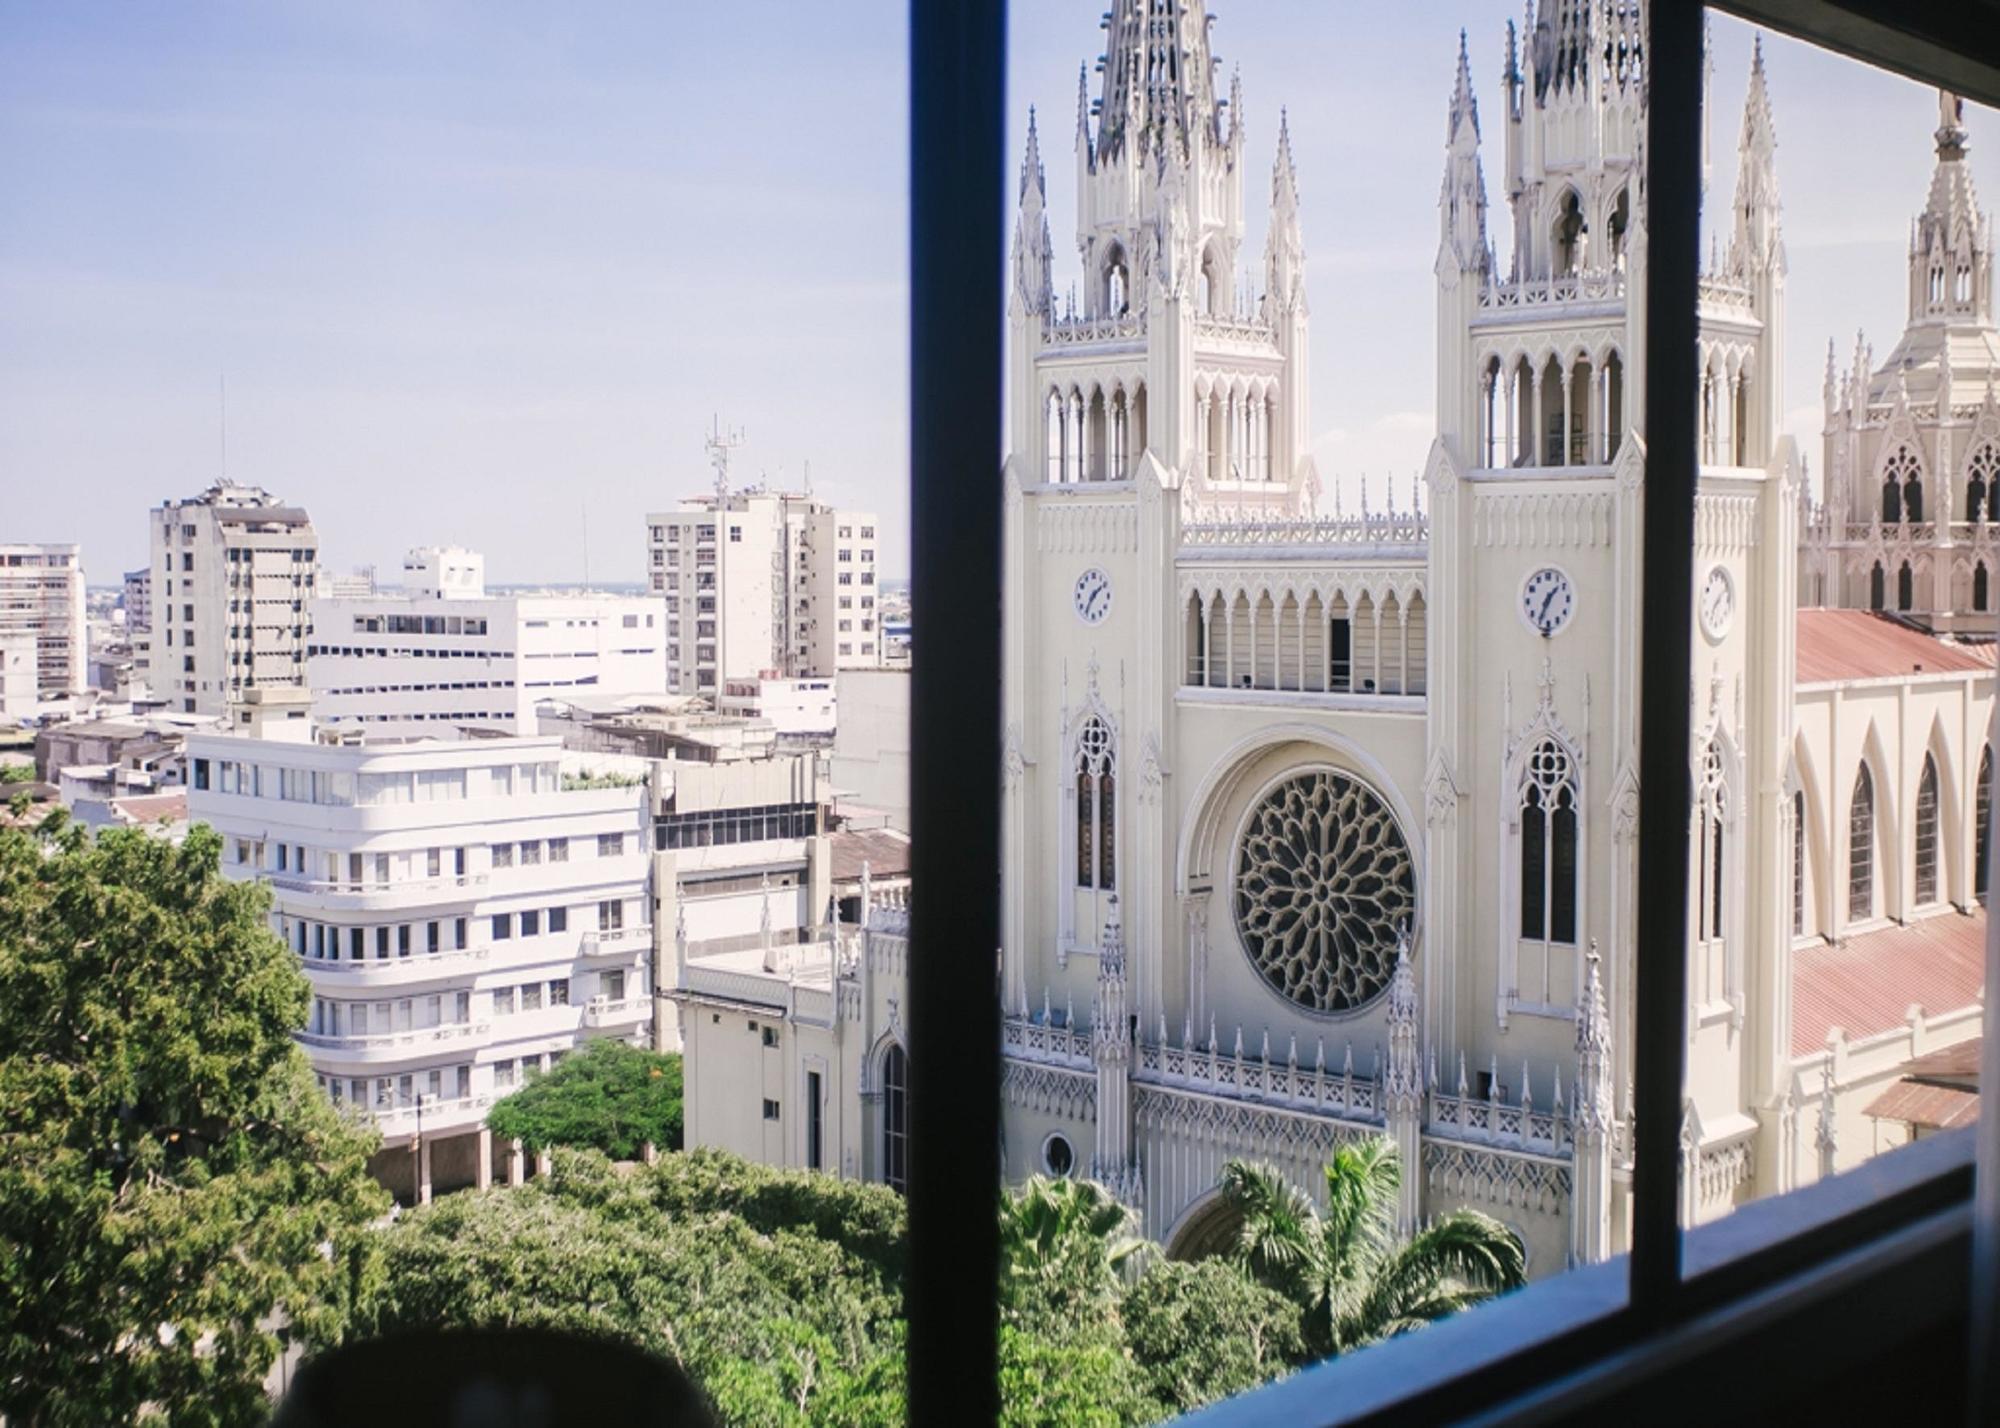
(1034, 252)
(1754, 243)
(1159, 89)
(1951, 248)
(1462, 206)
(1086, 159)
(1285, 246)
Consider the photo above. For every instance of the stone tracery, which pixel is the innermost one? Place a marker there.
(1324, 881)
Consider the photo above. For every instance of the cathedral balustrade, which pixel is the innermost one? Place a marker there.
(1719, 292)
(1235, 331)
(1494, 1122)
(1371, 532)
(1028, 1039)
(1338, 631)
(1094, 331)
(1603, 285)
(1232, 1074)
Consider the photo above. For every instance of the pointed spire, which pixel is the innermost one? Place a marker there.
(1034, 250)
(1951, 253)
(1464, 103)
(1754, 241)
(1159, 82)
(1284, 243)
(1083, 148)
(1593, 1051)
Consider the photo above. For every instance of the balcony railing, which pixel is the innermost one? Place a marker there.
(616, 941)
(414, 1040)
(1600, 286)
(410, 967)
(348, 887)
(437, 1114)
(608, 1011)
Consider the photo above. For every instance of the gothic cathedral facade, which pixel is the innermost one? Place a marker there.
(1323, 826)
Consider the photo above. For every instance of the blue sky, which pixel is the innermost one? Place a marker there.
(482, 272)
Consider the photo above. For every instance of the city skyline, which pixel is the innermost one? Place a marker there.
(452, 266)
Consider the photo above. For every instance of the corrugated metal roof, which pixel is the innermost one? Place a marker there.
(885, 851)
(1835, 645)
(1918, 1104)
(1868, 983)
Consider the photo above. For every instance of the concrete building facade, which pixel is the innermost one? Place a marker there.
(41, 598)
(234, 572)
(764, 583)
(466, 911)
(445, 656)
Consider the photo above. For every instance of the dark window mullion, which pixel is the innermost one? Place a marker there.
(1673, 206)
(958, 231)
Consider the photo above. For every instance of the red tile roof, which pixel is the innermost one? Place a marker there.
(153, 807)
(1868, 983)
(1859, 644)
(884, 851)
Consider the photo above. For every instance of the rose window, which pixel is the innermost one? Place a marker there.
(1324, 884)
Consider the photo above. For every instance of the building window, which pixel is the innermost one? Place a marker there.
(1861, 848)
(1905, 588)
(1712, 803)
(770, 1109)
(610, 845)
(558, 919)
(1798, 864)
(814, 1119)
(1902, 488)
(1058, 1155)
(503, 926)
(1096, 807)
(895, 1119)
(1982, 801)
(1927, 833)
(1548, 846)
(610, 915)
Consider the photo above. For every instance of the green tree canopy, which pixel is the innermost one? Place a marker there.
(778, 1324)
(172, 1182)
(606, 1095)
(1205, 1330)
(1062, 1245)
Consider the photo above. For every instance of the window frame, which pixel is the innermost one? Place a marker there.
(1530, 1346)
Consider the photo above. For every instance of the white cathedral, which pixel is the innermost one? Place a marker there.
(1324, 827)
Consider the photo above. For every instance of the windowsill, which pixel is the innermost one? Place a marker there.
(1563, 1342)
(1541, 1009)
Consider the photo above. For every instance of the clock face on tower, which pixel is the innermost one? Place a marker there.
(1718, 603)
(1093, 596)
(1548, 599)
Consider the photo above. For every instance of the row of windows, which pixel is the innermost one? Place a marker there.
(405, 652)
(720, 827)
(385, 1093)
(420, 624)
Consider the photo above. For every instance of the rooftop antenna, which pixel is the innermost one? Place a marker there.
(809, 480)
(222, 412)
(584, 507)
(719, 444)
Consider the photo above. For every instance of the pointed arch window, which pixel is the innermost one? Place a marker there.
(1712, 806)
(1117, 284)
(1982, 483)
(1902, 488)
(1798, 863)
(1875, 587)
(896, 1119)
(1906, 587)
(1548, 845)
(1861, 848)
(1566, 235)
(1981, 590)
(1982, 810)
(1096, 806)
(1927, 834)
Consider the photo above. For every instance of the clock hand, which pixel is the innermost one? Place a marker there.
(1547, 600)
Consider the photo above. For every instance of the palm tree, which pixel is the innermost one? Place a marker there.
(1352, 1278)
(1064, 1244)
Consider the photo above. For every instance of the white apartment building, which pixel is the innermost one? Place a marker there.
(443, 655)
(466, 911)
(803, 708)
(137, 600)
(763, 583)
(20, 691)
(233, 572)
(41, 597)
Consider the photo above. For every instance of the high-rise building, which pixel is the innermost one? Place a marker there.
(466, 912)
(764, 583)
(41, 598)
(443, 656)
(233, 572)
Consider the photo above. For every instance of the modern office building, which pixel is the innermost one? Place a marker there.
(466, 911)
(41, 598)
(764, 583)
(233, 575)
(442, 656)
